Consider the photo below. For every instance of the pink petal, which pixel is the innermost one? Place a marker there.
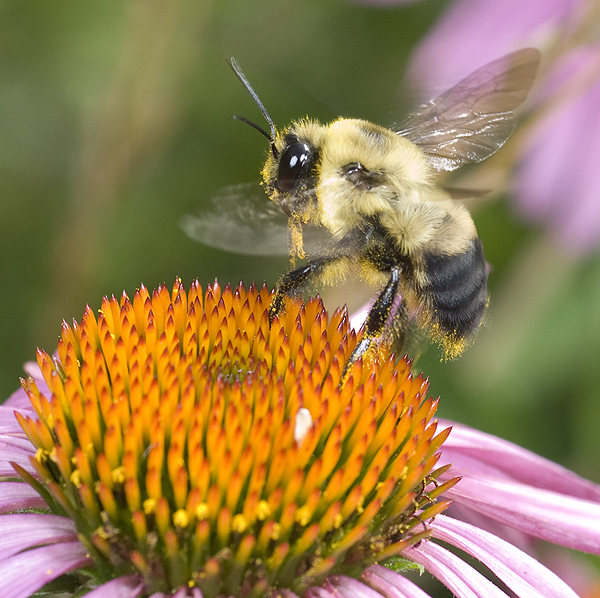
(17, 441)
(18, 495)
(20, 456)
(27, 572)
(520, 572)
(472, 450)
(128, 586)
(18, 400)
(24, 530)
(453, 572)
(8, 422)
(551, 516)
(391, 584)
(318, 592)
(346, 587)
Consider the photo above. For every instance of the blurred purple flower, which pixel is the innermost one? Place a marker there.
(502, 484)
(558, 180)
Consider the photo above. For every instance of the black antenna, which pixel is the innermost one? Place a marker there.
(233, 63)
(253, 125)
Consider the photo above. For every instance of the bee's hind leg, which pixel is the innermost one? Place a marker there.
(377, 319)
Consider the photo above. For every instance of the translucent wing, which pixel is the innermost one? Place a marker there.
(240, 219)
(243, 220)
(472, 120)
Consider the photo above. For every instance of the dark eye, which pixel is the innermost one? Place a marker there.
(292, 165)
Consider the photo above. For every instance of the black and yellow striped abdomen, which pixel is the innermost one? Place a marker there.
(457, 294)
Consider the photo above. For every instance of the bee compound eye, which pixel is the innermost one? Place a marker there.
(292, 165)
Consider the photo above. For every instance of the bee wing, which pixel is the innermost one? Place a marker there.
(241, 219)
(472, 120)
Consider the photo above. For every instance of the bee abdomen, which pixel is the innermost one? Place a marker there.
(458, 290)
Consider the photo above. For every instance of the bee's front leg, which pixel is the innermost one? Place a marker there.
(294, 282)
(377, 319)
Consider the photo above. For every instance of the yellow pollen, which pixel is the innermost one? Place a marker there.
(275, 531)
(337, 521)
(52, 455)
(202, 511)
(41, 455)
(239, 523)
(302, 516)
(263, 510)
(149, 506)
(101, 533)
(76, 478)
(118, 475)
(181, 518)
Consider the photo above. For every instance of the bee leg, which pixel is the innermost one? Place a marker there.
(292, 283)
(377, 319)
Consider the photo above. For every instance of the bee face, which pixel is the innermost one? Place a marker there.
(372, 190)
(290, 172)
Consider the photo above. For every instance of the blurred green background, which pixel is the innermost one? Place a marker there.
(116, 122)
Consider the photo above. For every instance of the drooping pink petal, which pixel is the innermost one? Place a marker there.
(18, 442)
(24, 530)
(319, 592)
(27, 572)
(457, 575)
(551, 516)
(8, 422)
(480, 453)
(18, 400)
(18, 495)
(17, 454)
(521, 573)
(128, 586)
(392, 585)
(346, 587)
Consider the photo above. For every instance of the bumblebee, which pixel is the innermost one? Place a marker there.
(372, 191)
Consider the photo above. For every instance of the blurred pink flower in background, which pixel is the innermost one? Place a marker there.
(558, 180)
(472, 33)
